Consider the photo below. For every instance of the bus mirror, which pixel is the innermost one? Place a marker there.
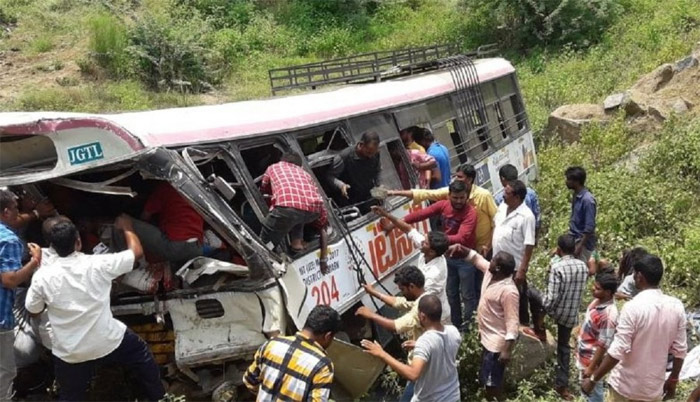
(222, 186)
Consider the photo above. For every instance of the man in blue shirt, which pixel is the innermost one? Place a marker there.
(441, 155)
(583, 213)
(509, 173)
(12, 274)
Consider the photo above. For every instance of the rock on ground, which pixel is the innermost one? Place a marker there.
(530, 354)
(567, 121)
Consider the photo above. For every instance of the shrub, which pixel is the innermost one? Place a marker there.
(42, 44)
(6, 17)
(677, 154)
(523, 24)
(223, 13)
(108, 43)
(172, 52)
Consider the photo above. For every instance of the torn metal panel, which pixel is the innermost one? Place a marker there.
(169, 165)
(235, 332)
(98, 188)
(199, 266)
(355, 370)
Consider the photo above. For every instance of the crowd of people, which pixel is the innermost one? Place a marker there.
(474, 263)
(471, 275)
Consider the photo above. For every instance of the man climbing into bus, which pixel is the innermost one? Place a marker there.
(296, 201)
(355, 171)
(441, 155)
(583, 213)
(508, 173)
(433, 370)
(411, 283)
(296, 368)
(431, 261)
(459, 221)
(85, 334)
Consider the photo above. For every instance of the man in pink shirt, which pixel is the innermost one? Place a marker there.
(497, 316)
(650, 327)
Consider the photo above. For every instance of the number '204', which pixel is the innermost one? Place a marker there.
(325, 294)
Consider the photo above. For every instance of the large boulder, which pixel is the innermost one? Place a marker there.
(686, 63)
(613, 101)
(635, 103)
(529, 354)
(662, 108)
(655, 80)
(567, 121)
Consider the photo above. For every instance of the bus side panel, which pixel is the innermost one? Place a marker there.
(520, 153)
(340, 287)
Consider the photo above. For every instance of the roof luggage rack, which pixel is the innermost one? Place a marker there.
(368, 67)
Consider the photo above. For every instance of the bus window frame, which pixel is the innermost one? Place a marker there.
(224, 151)
(236, 148)
(297, 135)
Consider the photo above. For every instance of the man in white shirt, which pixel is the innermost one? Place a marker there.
(433, 370)
(75, 289)
(431, 261)
(514, 233)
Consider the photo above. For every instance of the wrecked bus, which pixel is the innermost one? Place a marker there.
(207, 328)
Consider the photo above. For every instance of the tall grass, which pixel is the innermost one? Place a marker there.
(108, 44)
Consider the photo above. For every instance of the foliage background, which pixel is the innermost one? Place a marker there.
(113, 55)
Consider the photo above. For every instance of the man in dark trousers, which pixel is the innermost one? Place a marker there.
(75, 289)
(583, 213)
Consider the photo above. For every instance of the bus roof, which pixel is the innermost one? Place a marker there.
(72, 137)
(178, 126)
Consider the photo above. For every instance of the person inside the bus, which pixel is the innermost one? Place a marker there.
(410, 136)
(295, 201)
(422, 163)
(355, 171)
(31, 210)
(179, 234)
(441, 155)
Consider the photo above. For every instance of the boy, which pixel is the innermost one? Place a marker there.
(597, 331)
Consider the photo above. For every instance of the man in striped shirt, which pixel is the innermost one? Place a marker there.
(296, 368)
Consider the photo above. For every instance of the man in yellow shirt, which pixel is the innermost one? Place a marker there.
(480, 198)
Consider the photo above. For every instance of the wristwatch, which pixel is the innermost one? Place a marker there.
(593, 379)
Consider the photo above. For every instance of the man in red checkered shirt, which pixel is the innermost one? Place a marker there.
(296, 201)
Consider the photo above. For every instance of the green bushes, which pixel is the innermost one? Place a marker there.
(523, 24)
(171, 52)
(165, 47)
(108, 43)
